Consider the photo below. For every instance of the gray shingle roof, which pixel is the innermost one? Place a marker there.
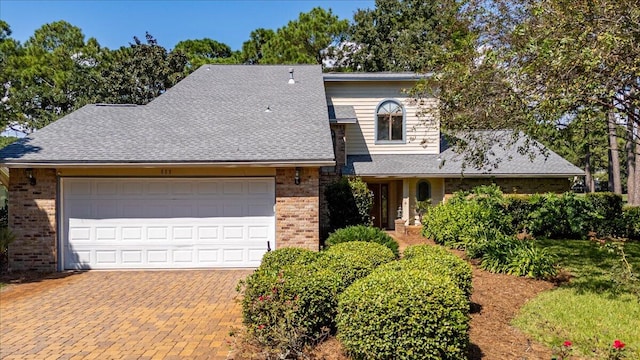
(504, 161)
(342, 113)
(216, 114)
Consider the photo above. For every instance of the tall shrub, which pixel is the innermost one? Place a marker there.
(560, 216)
(607, 213)
(349, 202)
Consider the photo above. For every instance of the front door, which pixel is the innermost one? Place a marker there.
(380, 208)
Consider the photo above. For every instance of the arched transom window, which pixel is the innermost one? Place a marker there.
(423, 191)
(390, 121)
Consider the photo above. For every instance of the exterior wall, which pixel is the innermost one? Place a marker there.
(32, 218)
(421, 121)
(510, 185)
(297, 208)
(168, 172)
(340, 145)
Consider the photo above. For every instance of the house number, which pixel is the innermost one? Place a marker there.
(165, 171)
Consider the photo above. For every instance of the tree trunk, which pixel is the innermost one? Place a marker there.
(636, 183)
(589, 183)
(614, 159)
(631, 163)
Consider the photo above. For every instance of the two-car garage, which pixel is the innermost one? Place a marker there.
(147, 223)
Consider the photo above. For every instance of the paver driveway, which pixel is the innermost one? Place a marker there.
(122, 315)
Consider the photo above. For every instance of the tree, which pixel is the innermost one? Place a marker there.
(47, 77)
(407, 35)
(307, 40)
(139, 73)
(538, 65)
(252, 49)
(204, 51)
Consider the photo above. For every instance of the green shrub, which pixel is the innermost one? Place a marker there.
(631, 222)
(403, 314)
(437, 260)
(277, 259)
(354, 260)
(607, 213)
(465, 215)
(349, 202)
(518, 257)
(519, 206)
(560, 216)
(286, 310)
(363, 233)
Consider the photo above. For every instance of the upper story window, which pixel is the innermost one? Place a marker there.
(390, 121)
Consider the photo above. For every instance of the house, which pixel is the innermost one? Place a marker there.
(230, 163)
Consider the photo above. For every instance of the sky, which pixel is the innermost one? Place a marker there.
(114, 23)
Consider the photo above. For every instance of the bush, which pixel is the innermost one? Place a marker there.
(437, 260)
(363, 233)
(519, 206)
(278, 259)
(560, 216)
(349, 202)
(518, 257)
(606, 213)
(287, 310)
(465, 215)
(403, 314)
(631, 222)
(354, 260)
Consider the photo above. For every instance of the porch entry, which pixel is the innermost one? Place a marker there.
(380, 208)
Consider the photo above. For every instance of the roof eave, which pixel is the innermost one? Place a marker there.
(154, 164)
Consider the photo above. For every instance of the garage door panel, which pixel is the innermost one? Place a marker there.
(161, 223)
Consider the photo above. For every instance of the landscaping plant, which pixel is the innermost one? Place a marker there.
(363, 233)
(349, 202)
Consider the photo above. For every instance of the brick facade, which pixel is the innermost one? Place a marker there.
(32, 218)
(297, 208)
(510, 185)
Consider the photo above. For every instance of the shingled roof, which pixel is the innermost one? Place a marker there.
(218, 114)
(503, 160)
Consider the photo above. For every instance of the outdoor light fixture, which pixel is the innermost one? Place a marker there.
(32, 179)
(399, 212)
(296, 178)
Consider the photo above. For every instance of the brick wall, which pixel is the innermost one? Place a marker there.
(511, 185)
(32, 218)
(297, 208)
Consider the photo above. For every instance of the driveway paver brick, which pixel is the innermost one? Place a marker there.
(122, 315)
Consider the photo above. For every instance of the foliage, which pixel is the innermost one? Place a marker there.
(6, 238)
(403, 314)
(308, 40)
(203, 51)
(349, 202)
(6, 140)
(437, 260)
(467, 214)
(631, 222)
(252, 52)
(518, 257)
(363, 233)
(406, 35)
(607, 213)
(560, 216)
(354, 259)
(139, 73)
(276, 260)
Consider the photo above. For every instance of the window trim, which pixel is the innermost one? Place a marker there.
(404, 124)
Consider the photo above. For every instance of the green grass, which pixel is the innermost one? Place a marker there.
(593, 309)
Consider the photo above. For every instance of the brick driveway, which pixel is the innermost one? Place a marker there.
(122, 315)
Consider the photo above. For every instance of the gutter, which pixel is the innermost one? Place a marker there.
(227, 164)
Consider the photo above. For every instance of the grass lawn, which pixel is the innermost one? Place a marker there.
(593, 309)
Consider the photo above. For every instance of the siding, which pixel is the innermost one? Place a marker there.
(421, 121)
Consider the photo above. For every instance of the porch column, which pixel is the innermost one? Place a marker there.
(406, 201)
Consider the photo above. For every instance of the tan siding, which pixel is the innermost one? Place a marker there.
(421, 123)
(168, 172)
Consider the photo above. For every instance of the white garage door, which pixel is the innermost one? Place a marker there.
(166, 223)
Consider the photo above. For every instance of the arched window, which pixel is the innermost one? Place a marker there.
(390, 121)
(423, 191)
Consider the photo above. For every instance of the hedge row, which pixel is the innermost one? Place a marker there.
(483, 222)
(291, 300)
(415, 308)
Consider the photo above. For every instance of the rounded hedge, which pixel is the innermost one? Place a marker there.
(403, 314)
(354, 260)
(363, 233)
(437, 260)
(277, 259)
